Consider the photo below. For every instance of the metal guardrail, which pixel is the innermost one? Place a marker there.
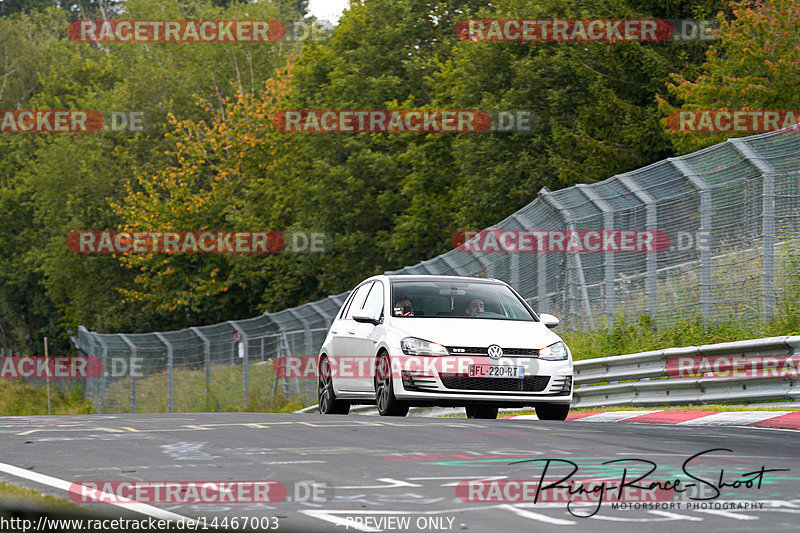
(643, 379)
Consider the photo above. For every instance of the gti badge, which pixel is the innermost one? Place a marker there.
(495, 352)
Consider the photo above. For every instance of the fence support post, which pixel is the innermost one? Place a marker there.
(768, 223)
(245, 362)
(514, 268)
(170, 384)
(458, 269)
(308, 342)
(652, 221)
(545, 194)
(609, 264)
(206, 364)
(705, 230)
(101, 392)
(131, 363)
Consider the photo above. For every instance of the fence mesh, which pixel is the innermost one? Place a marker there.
(731, 213)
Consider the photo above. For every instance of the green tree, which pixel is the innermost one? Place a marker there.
(752, 65)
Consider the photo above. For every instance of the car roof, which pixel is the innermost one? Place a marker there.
(421, 277)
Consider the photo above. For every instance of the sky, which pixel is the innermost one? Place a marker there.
(327, 9)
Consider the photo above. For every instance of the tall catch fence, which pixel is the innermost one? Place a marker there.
(731, 213)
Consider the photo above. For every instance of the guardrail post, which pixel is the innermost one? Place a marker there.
(609, 265)
(652, 222)
(206, 364)
(705, 230)
(170, 382)
(245, 362)
(768, 222)
(131, 363)
(549, 198)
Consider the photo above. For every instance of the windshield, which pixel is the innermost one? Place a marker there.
(459, 299)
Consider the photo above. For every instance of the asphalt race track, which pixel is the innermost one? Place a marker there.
(403, 474)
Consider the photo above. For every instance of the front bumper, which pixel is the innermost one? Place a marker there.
(544, 382)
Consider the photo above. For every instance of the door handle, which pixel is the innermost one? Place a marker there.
(351, 332)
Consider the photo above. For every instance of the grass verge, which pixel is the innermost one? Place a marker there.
(9, 492)
(225, 392)
(640, 335)
(18, 398)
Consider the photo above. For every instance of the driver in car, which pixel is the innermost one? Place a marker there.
(475, 307)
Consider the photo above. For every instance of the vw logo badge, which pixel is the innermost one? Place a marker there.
(495, 352)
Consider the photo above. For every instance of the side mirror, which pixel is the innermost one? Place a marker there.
(549, 320)
(365, 316)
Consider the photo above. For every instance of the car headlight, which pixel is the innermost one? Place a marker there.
(555, 352)
(414, 346)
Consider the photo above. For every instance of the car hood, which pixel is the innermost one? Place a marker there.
(477, 332)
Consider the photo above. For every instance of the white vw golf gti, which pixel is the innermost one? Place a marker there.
(400, 341)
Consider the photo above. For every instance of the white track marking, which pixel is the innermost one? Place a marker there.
(613, 416)
(459, 478)
(130, 505)
(389, 483)
(676, 516)
(538, 516)
(733, 418)
(728, 514)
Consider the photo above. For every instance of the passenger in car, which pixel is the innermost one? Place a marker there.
(475, 307)
(404, 307)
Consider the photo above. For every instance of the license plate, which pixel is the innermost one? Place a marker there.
(493, 371)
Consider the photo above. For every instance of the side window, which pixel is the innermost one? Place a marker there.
(358, 299)
(375, 299)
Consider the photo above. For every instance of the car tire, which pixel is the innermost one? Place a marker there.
(385, 400)
(326, 397)
(481, 411)
(552, 411)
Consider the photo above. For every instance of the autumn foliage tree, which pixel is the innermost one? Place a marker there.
(752, 65)
(214, 168)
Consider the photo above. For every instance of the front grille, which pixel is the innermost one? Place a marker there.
(525, 352)
(466, 350)
(526, 384)
(510, 352)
